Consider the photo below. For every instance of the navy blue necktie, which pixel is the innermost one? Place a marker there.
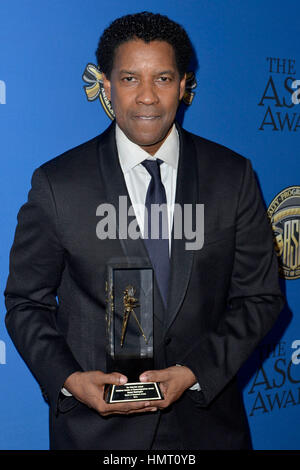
(157, 223)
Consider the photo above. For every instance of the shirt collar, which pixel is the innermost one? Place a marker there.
(131, 154)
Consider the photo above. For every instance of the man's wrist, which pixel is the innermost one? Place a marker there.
(65, 390)
(196, 386)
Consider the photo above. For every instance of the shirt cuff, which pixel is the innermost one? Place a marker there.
(195, 387)
(65, 392)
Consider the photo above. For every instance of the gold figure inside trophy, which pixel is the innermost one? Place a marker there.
(130, 303)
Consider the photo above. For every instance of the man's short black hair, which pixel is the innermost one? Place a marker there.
(148, 27)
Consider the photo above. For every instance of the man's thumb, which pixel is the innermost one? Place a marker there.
(115, 378)
(151, 376)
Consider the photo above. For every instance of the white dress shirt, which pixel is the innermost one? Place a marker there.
(137, 178)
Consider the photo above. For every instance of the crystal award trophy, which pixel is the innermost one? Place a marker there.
(129, 323)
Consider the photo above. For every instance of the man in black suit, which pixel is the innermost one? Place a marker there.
(220, 300)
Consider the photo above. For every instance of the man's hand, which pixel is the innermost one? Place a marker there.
(173, 382)
(88, 388)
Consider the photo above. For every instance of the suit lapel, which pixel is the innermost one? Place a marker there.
(115, 186)
(186, 193)
(112, 177)
(182, 259)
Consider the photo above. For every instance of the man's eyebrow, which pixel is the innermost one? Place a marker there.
(131, 72)
(159, 72)
(170, 72)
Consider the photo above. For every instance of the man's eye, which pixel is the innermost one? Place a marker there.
(164, 79)
(128, 79)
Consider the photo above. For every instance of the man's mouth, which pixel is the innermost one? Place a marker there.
(146, 117)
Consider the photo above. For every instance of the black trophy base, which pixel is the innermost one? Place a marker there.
(130, 366)
(133, 391)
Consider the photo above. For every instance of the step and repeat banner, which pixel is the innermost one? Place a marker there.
(244, 93)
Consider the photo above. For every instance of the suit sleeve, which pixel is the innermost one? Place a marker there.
(36, 265)
(254, 298)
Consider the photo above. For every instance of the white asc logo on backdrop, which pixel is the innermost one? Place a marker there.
(296, 94)
(2, 352)
(296, 354)
(2, 92)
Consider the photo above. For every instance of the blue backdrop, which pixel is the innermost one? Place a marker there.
(246, 98)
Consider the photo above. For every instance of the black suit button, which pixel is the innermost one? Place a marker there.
(168, 340)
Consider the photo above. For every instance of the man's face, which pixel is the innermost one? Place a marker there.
(145, 90)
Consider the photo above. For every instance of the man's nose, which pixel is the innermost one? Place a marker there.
(147, 93)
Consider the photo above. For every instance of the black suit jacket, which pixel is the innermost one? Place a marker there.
(222, 299)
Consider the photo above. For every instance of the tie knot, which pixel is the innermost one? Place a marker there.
(152, 166)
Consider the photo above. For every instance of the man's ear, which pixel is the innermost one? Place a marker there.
(182, 87)
(107, 86)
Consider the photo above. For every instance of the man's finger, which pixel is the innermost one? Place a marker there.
(144, 410)
(125, 408)
(114, 378)
(137, 410)
(155, 376)
(129, 406)
(150, 409)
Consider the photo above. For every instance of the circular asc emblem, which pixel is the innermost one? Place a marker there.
(284, 214)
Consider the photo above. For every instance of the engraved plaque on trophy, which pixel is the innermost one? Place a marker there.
(129, 322)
